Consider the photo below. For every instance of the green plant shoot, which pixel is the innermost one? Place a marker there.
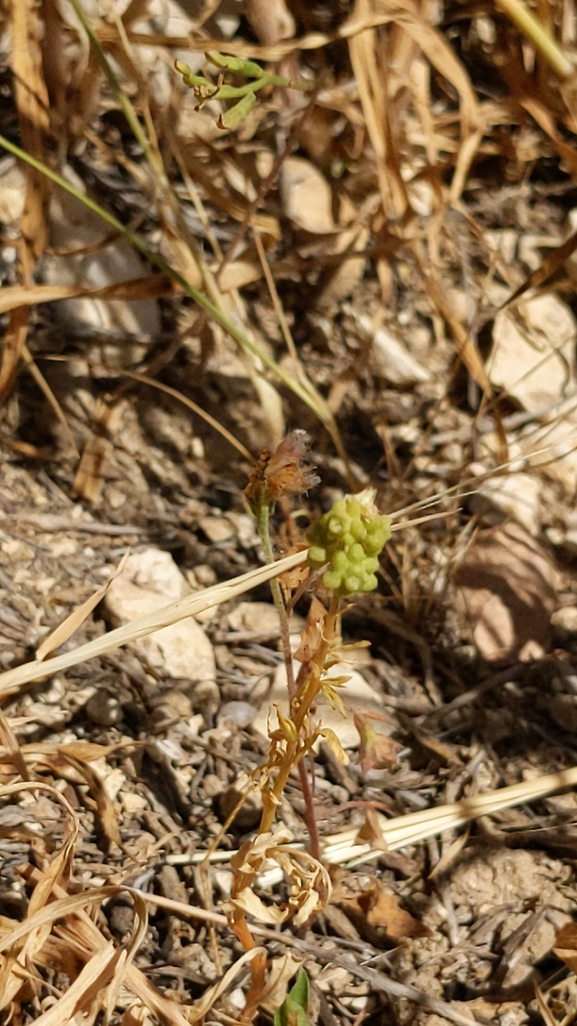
(245, 95)
(294, 1009)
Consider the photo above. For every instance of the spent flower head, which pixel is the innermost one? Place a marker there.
(282, 472)
(348, 540)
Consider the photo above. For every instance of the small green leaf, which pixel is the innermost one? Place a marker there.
(294, 1009)
(231, 117)
(237, 65)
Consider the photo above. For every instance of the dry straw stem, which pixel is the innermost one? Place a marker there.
(533, 29)
(82, 936)
(212, 303)
(305, 391)
(13, 680)
(108, 968)
(401, 831)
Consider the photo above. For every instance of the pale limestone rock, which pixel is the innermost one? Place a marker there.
(12, 191)
(389, 357)
(514, 495)
(151, 579)
(533, 352)
(306, 196)
(73, 226)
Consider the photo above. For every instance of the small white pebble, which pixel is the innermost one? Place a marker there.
(240, 713)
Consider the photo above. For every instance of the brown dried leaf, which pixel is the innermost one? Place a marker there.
(566, 945)
(380, 920)
(281, 971)
(376, 751)
(147, 287)
(88, 481)
(507, 592)
(371, 832)
(70, 625)
(106, 811)
(312, 635)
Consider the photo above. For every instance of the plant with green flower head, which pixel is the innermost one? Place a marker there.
(348, 540)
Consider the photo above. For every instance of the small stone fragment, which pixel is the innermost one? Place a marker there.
(564, 621)
(241, 714)
(151, 579)
(103, 709)
(563, 711)
(212, 785)
(533, 355)
(250, 811)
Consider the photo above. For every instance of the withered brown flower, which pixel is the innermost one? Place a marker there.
(282, 472)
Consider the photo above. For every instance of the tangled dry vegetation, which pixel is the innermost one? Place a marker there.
(356, 219)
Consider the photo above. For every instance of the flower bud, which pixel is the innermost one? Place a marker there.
(347, 540)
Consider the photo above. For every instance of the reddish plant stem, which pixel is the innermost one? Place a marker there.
(309, 812)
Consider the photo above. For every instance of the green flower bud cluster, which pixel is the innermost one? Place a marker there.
(349, 539)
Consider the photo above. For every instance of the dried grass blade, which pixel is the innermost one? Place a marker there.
(230, 438)
(213, 993)
(98, 973)
(550, 266)
(147, 287)
(533, 29)
(12, 747)
(70, 625)
(12, 680)
(44, 387)
(139, 934)
(307, 394)
(135, 980)
(463, 344)
(417, 826)
(35, 935)
(32, 103)
(106, 812)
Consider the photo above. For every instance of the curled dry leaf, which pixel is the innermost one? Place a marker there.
(334, 744)
(566, 945)
(281, 971)
(312, 635)
(309, 882)
(377, 751)
(70, 625)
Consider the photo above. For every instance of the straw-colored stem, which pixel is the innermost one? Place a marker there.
(12, 680)
(300, 707)
(305, 393)
(263, 527)
(533, 29)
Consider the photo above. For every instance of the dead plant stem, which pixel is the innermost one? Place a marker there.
(301, 703)
(263, 527)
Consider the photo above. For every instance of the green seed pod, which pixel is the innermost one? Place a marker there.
(347, 540)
